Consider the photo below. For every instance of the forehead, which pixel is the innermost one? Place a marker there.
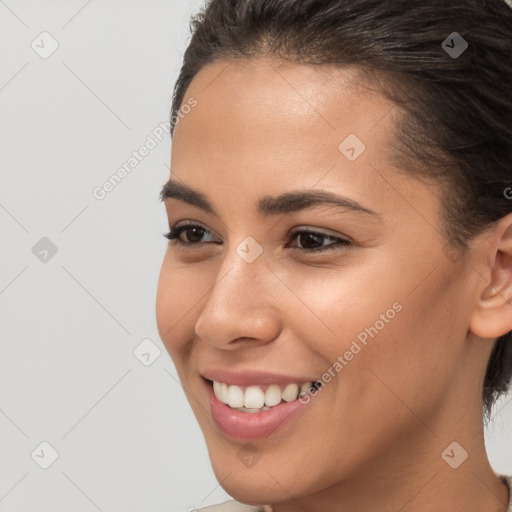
(271, 100)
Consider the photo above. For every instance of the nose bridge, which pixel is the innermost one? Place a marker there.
(238, 305)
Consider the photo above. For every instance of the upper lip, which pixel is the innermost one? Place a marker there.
(249, 377)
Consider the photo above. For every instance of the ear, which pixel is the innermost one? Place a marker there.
(492, 316)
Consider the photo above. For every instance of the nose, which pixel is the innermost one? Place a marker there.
(240, 308)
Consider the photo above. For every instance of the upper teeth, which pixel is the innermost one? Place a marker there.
(257, 397)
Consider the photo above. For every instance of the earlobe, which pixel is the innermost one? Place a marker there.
(492, 316)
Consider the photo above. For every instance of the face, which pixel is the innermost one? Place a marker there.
(266, 290)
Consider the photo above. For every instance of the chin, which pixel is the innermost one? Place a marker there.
(261, 484)
(255, 488)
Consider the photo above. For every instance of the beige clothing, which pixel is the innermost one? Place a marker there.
(231, 506)
(235, 506)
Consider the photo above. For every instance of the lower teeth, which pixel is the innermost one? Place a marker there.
(244, 409)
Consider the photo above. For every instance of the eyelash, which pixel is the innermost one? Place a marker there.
(175, 232)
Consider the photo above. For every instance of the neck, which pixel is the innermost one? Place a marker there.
(416, 474)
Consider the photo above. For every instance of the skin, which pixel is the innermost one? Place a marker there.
(372, 438)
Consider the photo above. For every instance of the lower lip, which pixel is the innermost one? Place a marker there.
(247, 425)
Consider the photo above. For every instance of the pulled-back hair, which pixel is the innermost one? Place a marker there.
(456, 127)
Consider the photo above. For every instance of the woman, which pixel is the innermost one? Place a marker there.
(337, 290)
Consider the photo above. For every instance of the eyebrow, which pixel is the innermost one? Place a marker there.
(267, 206)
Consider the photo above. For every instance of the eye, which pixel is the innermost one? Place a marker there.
(315, 237)
(195, 232)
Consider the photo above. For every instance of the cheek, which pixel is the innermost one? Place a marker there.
(407, 356)
(341, 305)
(176, 301)
(374, 322)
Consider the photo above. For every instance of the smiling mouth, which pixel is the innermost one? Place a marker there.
(259, 398)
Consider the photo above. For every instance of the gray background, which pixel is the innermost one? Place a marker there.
(125, 436)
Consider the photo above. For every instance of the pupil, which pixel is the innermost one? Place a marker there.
(310, 237)
(194, 231)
